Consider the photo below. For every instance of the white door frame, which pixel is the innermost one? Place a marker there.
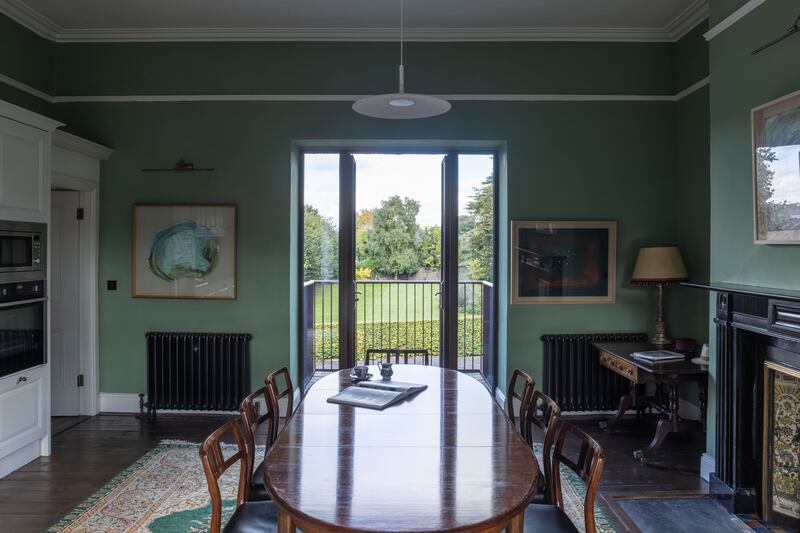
(76, 166)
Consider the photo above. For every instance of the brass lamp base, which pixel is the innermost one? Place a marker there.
(660, 335)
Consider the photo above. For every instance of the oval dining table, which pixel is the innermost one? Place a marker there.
(447, 459)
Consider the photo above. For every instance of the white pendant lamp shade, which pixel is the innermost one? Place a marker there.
(401, 105)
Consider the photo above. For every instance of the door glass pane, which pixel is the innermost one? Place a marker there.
(476, 260)
(320, 262)
(398, 225)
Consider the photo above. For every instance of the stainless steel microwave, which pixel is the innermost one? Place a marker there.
(23, 251)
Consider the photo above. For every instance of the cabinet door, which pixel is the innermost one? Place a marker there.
(22, 409)
(24, 172)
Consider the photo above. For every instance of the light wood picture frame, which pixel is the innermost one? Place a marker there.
(776, 171)
(182, 251)
(563, 262)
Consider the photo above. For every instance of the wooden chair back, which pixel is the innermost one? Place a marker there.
(387, 354)
(252, 417)
(589, 466)
(521, 395)
(280, 391)
(215, 464)
(545, 414)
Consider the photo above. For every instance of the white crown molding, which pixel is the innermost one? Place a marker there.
(25, 116)
(81, 145)
(732, 19)
(688, 19)
(41, 25)
(23, 14)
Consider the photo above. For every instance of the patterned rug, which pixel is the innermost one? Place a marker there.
(166, 492)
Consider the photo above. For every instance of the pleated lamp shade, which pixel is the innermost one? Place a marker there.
(659, 265)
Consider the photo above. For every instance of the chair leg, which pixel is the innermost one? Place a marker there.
(517, 523)
(285, 524)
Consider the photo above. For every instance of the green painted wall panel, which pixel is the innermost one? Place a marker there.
(25, 57)
(740, 82)
(362, 68)
(691, 58)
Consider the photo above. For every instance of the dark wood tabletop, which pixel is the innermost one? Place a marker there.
(447, 459)
(627, 349)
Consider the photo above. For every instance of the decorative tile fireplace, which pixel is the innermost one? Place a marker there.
(758, 402)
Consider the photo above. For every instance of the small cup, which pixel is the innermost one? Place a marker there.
(361, 372)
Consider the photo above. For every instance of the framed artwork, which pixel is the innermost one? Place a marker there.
(776, 171)
(781, 446)
(563, 262)
(184, 251)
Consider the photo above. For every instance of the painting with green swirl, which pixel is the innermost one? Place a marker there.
(184, 251)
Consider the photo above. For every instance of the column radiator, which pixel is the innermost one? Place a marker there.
(197, 371)
(573, 376)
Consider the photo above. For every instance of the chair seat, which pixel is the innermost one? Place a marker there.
(258, 492)
(253, 517)
(547, 519)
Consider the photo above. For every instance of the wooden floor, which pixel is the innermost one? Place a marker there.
(90, 453)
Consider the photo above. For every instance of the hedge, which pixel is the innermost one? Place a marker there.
(418, 334)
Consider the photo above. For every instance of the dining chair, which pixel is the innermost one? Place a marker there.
(521, 397)
(248, 516)
(589, 467)
(252, 420)
(272, 382)
(545, 414)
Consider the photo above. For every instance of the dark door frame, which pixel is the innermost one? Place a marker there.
(449, 291)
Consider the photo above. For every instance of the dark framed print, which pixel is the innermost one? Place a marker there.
(563, 262)
(776, 171)
(184, 251)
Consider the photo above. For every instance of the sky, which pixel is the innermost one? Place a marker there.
(379, 176)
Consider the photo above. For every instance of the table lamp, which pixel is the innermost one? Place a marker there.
(659, 266)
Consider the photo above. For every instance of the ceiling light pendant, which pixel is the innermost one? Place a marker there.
(401, 105)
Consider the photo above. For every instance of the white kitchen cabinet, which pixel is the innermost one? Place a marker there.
(24, 417)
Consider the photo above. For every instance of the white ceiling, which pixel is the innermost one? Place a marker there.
(98, 20)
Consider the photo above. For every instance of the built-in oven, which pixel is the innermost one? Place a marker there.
(22, 251)
(23, 325)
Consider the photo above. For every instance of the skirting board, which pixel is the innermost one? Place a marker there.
(707, 466)
(118, 402)
(499, 397)
(19, 458)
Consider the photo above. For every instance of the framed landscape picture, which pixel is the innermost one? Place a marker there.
(776, 171)
(184, 251)
(563, 262)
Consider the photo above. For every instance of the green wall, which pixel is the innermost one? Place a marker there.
(740, 82)
(585, 160)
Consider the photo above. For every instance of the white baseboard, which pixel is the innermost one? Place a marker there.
(120, 402)
(707, 466)
(500, 397)
(19, 458)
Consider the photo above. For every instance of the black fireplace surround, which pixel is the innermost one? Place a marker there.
(753, 325)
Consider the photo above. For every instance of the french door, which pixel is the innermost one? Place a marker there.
(398, 259)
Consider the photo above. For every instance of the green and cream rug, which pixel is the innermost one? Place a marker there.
(166, 492)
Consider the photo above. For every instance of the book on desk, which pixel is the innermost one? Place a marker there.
(658, 356)
(376, 394)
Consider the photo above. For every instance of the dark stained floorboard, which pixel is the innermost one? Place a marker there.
(88, 455)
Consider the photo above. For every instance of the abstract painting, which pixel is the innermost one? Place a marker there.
(563, 262)
(184, 251)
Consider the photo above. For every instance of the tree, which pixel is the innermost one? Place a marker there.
(431, 247)
(479, 235)
(363, 223)
(320, 246)
(392, 241)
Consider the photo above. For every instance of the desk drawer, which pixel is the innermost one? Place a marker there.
(620, 366)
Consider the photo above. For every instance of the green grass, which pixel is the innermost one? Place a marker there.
(393, 302)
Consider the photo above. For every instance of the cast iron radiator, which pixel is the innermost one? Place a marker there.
(573, 376)
(197, 371)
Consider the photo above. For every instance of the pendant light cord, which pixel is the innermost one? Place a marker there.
(402, 74)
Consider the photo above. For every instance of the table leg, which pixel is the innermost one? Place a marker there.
(517, 524)
(701, 399)
(624, 404)
(665, 426)
(285, 524)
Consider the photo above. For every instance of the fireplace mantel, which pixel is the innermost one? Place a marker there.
(754, 325)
